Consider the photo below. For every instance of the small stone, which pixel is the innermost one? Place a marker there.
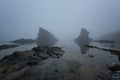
(90, 55)
(56, 70)
(113, 67)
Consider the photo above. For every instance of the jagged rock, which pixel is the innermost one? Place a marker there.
(2, 47)
(12, 67)
(45, 38)
(46, 51)
(83, 38)
(41, 48)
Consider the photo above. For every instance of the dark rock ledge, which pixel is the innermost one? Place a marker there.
(6, 46)
(18, 61)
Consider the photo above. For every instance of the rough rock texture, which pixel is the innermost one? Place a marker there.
(45, 38)
(21, 64)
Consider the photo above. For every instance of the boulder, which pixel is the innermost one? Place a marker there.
(113, 67)
(90, 55)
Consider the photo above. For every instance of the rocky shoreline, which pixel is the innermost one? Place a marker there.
(6, 46)
(113, 66)
(112, 51)
(18, 62)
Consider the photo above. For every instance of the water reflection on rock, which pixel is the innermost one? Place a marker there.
(82, 40)
(112, 51)
(22, 65)
(46, 44)
(82, 47)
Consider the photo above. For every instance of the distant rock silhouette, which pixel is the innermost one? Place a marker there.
(114, 36)
(45, 38)
(24, 41)
(82, 40)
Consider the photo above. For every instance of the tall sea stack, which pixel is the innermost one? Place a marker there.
(45, 38)
(83, 38)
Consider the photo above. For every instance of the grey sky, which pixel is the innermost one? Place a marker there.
(64, 18)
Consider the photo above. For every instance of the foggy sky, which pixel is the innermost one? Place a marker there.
(63, 18)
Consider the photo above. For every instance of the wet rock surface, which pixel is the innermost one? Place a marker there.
(112, 51)
(6, 46)
(21, 64)
(113, 67)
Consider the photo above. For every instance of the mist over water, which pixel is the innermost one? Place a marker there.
(63, 18)
(59, 39)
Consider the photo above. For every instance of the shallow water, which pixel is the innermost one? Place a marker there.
(90, 66)
(74, 64)
(19, 48)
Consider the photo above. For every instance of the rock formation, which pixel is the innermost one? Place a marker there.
(27, 65)
(113, 67)
(45, 38)
(83, 38)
